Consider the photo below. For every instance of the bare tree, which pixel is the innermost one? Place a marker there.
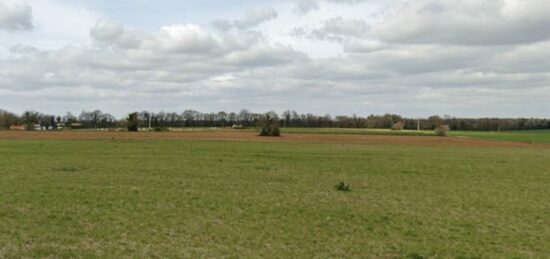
(30, 118)
(69, 119)
(8, 119)
(93, 117)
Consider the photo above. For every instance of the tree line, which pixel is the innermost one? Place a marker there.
(245, 118)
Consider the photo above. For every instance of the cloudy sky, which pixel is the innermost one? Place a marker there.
(467, 58)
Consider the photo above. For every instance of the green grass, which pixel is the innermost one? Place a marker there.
(528, 136)
(244, 199)
(355, 131)
(533, 136)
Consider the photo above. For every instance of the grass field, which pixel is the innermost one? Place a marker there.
(162, 198)
(533, 137)
(357, 131)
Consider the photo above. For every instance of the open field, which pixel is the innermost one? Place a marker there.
(232, 194)
(529, 137)
(249, 135)
(532, 137)
(358, 131)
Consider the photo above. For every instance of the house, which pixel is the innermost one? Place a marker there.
(398, 126)
(76, 125)
(17, 127)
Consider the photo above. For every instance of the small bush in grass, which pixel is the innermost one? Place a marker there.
(442, 130)
(132, 122)
(275, 131)
(272, 131)
(69, 169)
(414, 256)
(270, 127)
(343, 187)
(160, 129)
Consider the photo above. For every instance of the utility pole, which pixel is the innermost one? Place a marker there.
(418, 125)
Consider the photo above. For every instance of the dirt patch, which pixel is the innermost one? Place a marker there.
(250, 136)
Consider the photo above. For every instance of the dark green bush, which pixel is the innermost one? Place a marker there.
(272, 131)
(415, 256)
(270, 127)
(265, 132)
(133, 122)
(159, 129)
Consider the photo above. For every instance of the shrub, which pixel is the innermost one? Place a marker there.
(133, 122)
(270, 127)
(442, 130)
(270, 131)
(69, 169)
(275, 131)
(414, 256)
(264, 131)
(159, 129)
(343, 187)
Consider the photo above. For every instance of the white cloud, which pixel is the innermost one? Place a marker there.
(350, 57)
(251, 18)
(336, 29)
(107, 31)
(182, 38)
(15, 15)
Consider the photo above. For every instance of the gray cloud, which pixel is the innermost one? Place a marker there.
(484, 22)
(15, 15)
(348, 1)
(306, 6)
(23, 49)
(363, 46)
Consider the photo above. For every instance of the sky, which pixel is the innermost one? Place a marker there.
(463, 58)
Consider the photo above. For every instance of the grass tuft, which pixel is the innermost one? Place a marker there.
(415, 256)
(343, 187)
(69, 169)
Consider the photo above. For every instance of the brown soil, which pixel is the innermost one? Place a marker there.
(250, 136)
